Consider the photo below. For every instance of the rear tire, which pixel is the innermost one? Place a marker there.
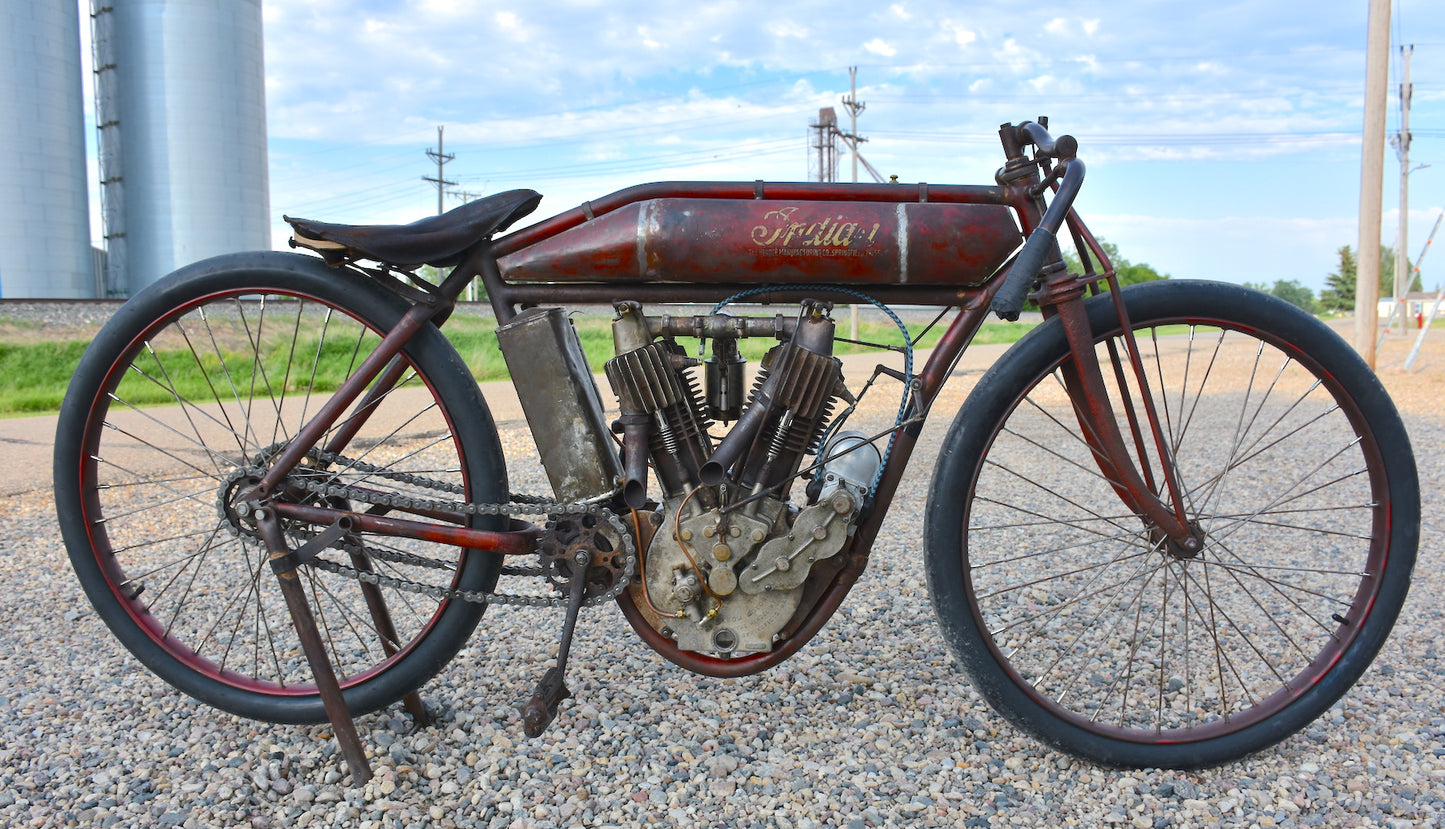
(1084, 627)
(203, 375)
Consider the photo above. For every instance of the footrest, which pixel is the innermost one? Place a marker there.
(541, 709)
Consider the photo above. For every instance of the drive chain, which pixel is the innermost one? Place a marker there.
(520, 505)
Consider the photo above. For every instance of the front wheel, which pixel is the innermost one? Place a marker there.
(1084, 625)
(189, 390)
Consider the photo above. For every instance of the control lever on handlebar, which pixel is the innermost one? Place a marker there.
(1009, 301)
(1042, 245)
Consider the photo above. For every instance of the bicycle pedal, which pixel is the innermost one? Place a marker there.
(541, 709)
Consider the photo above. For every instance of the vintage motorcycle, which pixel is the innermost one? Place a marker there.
(1169, 527)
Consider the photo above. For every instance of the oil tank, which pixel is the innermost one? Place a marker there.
(44, 218)
(189, 102)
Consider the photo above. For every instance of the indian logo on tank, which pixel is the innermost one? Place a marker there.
(784, 232)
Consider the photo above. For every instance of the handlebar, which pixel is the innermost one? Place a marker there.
(1062, 148)
(1042, 245)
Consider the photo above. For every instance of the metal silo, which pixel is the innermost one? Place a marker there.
(44, 218)
(184, 106)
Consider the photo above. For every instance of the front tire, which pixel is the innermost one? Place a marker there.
(1085, 627)
(203, 376)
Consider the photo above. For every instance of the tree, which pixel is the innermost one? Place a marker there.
(1127, 272)
(1292, 291)
(1339, 292)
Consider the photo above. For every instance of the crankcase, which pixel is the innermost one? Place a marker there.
(819, 532)
(730, 622)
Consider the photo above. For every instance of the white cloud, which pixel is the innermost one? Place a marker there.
(1019, 58)
(576, 97)
(1064, 26)
(880, 47)
(787, 28)
(1041, 84)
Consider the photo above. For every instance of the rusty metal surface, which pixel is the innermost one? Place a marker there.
(520, 540)
(322, 671)
(750, 241)
(560, 399)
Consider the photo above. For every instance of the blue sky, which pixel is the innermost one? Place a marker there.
(1222, 138)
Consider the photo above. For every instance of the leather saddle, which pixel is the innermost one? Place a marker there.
(440, 241)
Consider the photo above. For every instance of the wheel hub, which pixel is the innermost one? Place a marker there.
(233, 488)
(1190, 548)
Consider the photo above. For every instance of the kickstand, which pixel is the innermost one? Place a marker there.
(541, 709)
(316, 657)
(381, 619)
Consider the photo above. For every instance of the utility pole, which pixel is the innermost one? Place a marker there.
(1402, 148)
(854, 106)
(440, 181)
(1372, 171)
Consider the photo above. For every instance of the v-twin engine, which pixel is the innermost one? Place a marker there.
(734, 545)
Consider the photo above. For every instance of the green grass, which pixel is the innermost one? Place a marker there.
(34, 375)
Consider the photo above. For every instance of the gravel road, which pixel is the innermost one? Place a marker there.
(871, 725)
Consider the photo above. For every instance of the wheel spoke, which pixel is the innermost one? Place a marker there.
(221, 384)
(1101, 620)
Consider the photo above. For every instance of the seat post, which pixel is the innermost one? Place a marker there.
(468, 269)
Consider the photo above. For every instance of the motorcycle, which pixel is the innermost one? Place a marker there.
(1173, 524)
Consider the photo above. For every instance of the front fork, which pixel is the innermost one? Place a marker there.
(1141, 487)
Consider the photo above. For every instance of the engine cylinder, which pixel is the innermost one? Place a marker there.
(659, 407)
(788, 409)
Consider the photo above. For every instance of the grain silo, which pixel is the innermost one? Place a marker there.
(44, 218)
(181, 99)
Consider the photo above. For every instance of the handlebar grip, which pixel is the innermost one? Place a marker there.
(1009, 300)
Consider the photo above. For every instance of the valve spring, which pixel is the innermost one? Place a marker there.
(804, 433)
(780, 442)
(666, 437)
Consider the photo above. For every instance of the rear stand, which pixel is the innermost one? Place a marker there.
(537, 713)
(284, 563)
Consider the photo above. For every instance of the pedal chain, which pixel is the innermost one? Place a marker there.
(520, 505)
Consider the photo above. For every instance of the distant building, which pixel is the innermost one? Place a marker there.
(181, 96)
(44, 215)
(181, 111)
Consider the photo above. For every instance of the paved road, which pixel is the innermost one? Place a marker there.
(27, 443)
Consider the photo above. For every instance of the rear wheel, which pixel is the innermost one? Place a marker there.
(186, 393)
(1084, 625)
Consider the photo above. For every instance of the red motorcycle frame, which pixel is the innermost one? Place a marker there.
(954, 246)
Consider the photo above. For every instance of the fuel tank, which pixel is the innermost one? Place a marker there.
(759, 241)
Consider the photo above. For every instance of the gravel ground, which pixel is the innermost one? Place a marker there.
(871, 725)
